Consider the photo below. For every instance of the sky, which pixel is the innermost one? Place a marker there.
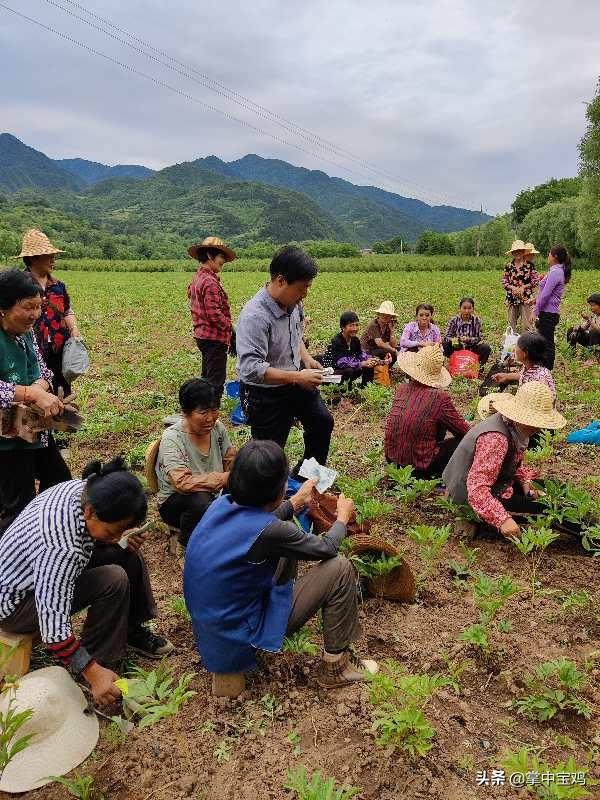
(464, 102)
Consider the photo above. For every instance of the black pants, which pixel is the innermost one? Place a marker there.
(576, 336)
(54, 362)
(380, 352)
(364, 373)
(440, 460)
(546, 325)
(214, 363)
(271, 414)
(184, 511)
(482, 350)
(19, 470)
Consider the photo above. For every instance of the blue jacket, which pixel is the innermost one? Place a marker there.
(235, 607)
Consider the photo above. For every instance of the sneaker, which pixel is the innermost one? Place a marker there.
(148, 644)
(340, 669)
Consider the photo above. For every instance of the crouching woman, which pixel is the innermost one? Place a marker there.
(239, 576)
(60, 555)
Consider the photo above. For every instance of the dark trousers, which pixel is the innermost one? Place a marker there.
(576, 336)
(330, 586)
(482, 350)
(546, 325)
(379, 352)
(271, 414)
(54, 362)
(116, 587)
(440, 460)
(19, 470)
(364, 373)
(214, 362)
(184, 511)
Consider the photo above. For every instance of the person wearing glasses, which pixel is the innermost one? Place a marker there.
(194, 458)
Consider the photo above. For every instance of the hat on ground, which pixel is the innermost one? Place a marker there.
(198, 251)
(532, 405)
(387, 307)
(63, 735)
(426, 366)
(36, 243)
(516, 245)
(531, 251)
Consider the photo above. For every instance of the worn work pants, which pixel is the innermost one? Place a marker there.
(546, 325)
(214, 363)
(184, 511)
(523, 313)
(331, 586)
(116, 587)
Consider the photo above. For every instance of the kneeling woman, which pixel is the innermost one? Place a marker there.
(239, 576)
(194, 458)
(61, 555)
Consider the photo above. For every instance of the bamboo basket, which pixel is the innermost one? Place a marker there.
(399, 584)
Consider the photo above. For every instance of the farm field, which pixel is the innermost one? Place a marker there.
(137, 328)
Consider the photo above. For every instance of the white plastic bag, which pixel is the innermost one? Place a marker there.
(509, 343)
(75, 359)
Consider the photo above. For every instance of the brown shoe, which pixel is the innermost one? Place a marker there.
(340, 669)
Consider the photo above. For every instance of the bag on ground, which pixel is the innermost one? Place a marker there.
(508, 344)
(463, 363)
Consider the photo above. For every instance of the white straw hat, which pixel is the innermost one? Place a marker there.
(426, 366)
(532, 405)
(387, 307)
(36, 243)
(63, 734)
(516, 245)
(530, 247)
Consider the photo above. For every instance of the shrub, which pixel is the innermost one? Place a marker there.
(554, 686)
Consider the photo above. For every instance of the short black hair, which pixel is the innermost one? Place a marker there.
(293, 264)
(467, 300)
(594, 298)
(426, 306)
(259, 474)
(114, 493)
(347, 318)
(204, 253)
(197, 393)
(16, 285)
(535, 346)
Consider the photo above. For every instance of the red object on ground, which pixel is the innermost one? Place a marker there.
(464, 363)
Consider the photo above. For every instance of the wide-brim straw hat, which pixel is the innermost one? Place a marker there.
(531, 251)
(64, 732)
(36, 243)
(484, 405)
(198, 251)
(387, 307)
(516, 245)
(426, 366)
(531, 405)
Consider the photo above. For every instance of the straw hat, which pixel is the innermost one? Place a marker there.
(530, 247)
(516, 245)
(484, 405)
(36, 243)
(63, 734)
(532, 405)
(387, 307)
(198, 251)
(426, 366)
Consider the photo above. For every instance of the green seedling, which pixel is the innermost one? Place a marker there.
(371, 565)
(317, 787)
(81, 786)
(590, 539)
(576, 601)
(224, 749)
(270, 705)
(377, 399)
(532, 544)
(526, 762)
(404, 728)
(555, 686)
(490, 595)
(207, 727)
(295, 740)
(461, 570)
(431, 541)
(150, 696)
(300, 643)
(476, 635)
(11, 720)
(371, 508)
(455, 670)
(177, 604)
(543, 451)
(504, 626)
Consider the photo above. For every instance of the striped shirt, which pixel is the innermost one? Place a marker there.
(43, 552)
(459, 328)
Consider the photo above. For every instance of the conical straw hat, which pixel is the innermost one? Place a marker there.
(531, 251)
(387, 307)
(516, 245)
(211, 241)
(532, 405)
(426, 366)
(36, 243)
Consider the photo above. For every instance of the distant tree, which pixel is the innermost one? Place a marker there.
(109, 249)
(589, 150)
(496, 237)
(554, 223)
(529, 199)
(432, 243)
(396, 245)
(9, 244)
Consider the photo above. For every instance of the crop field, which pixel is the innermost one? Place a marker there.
(462, 689)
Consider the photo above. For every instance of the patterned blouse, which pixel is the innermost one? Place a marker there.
(540, 374)
(51, 329)
(525, 276)
(412, 334)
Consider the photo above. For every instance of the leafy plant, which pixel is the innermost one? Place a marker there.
(554, 686)
(11, 720)
(565, 502)
(532, 543)
(317, 787)
(224, 749)
(407, 488)
(300, 643)
(371, 508)
(81, 786)
(490, 596)
(462, 569)
(543, 451)
(152, 695)
(270, 705)
(527, 763)
(406, 728)
(575, 601)
(590, 539)
(370, 564)
(476, 635)
(177, 604)
(295, 740)
(431, 540)
(377, 399)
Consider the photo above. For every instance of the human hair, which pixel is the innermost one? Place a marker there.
(425, 306)
(27, 260)
(594, 298)
(347, 318)
(16, 285)
(535, 346)
(114, 493)
(293, 264)
(467, 300)
(204, 253)
(197, 393)
(561, 254)
(259, 474)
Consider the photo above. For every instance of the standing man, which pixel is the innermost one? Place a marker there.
(279, 379)
(209, 304)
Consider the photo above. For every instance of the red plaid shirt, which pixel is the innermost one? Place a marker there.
(209, 305)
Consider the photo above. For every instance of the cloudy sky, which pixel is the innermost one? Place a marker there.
(459, 101)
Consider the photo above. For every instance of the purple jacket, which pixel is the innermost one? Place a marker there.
(411, 335)
(552, 287)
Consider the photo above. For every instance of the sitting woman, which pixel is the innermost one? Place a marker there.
(421, 332)
(422, 413)
(61, 556)
(465, 332)
(379, 339)
(25, 379)
(346, 354)
(486, 469)
(530, 351)
(240, 566)
(194, 458)
(588, 333)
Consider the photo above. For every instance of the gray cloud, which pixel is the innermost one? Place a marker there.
(463, 101)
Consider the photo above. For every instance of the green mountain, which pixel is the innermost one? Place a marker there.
(22, 166)
(92, 171)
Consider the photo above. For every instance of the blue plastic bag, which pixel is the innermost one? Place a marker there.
(232, 389)
(237, 416)
(588, 435)
(303, 518)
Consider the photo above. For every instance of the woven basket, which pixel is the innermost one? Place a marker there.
(323, 513)
(399, 584)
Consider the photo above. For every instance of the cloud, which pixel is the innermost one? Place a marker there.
(460, 101)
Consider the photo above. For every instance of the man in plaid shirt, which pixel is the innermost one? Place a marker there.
(209, 305)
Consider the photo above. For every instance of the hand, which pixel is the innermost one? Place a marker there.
(499, 377)
(134, 542)
(370, 362)
(312, 363)
(510, 529)
(101, 681)
(528, 490)
(75, 334)
(49, 404)
(309, 378)
(388, 358)
(304, 494)
(345, 508)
